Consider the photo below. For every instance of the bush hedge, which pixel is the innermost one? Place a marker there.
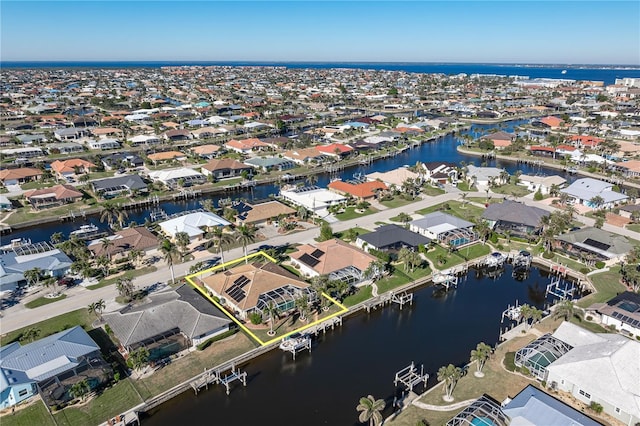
(204, 345)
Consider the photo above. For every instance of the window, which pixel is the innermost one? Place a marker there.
(583, 393)
(23, 392)
(617, 410)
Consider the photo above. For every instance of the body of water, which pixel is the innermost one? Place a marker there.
(361, 358)
(442, 149)
(607, 74)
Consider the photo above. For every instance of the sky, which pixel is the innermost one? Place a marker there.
(542, 32)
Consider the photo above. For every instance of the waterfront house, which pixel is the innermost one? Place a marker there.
(22, 153)
(500, 140)
(593, 244)
(583, 191)
(312, 198)
(226, 168)
(247, 146)
(13, 265)
(444, 228)
(544, 184)
(69, 168)
(181, 177)
(629, 169)
(585, 141)
(253, 286)
(335, 150)
(64, 148)
(19, 176)
(257, 214)
(52, 197)
(124, 241)
(304, 155)
(335, 258)
(208, 151)
(194, 224)
(482, 177)
(119, 160)
(440, 172)
(622, 312)
(267, 164)
(144, 140)
(391, 238)
(166, 156)
(103, 144)
(175, 135)
(394, 177)
(592, 367)
(514, 217)
(360, 190)
(49, 367)
(111, 187)
(170, 322)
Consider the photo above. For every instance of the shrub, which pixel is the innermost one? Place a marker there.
(493, 238)
(594, 406)
(525, 371)
(204, 345)
(116, 377)
(509, 361)
(538, 195)
(255, 318)
(599, 264)
(548, 255)
(589, 318)
(584, 270)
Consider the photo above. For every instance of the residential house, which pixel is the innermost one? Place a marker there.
(252, 287)
(175, 135)
(630, 211)
(22, 153)
(194, 224)
(304, 155)
(483, 177)
(514, 217)
(70, 134)
(120, 160)
(69, 168)
(549, 122)
(160, 157)
(394, 177)
(312, 198)
(360, 191)
(583, 191)
(593, 244)
(257, 214)
(544, 184)
(172, 321)
(208, 151)
(226, 168)
(64, 148)
(247, 146)
(500, 140)
(629, 169)
(444, 228)
(440, 172)
(124, 241)
(5, 203)
(391, 238)
(52, 197)
(206, 132)
(182, 177)
(111, 187)
(335, 150)
(103, 144)
(621, 312)
(49, 367)
(19, 176)
(270, 163)
(13, 265)
(585, 141)
(144, 140)
(334, 258)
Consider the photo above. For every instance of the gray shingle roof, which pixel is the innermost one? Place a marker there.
(130, 181)
(587, 188)
(618, 245)
(183, 309)
(388, 235)
(515, 212)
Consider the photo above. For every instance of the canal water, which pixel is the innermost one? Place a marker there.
(360, 358)
(442, 149)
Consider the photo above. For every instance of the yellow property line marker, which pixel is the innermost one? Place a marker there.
(189, 279)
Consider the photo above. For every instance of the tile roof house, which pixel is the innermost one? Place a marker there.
(67, 168)
(251, 287)
(500, 139)
(167, 156)
(46, 365)
(629, 168)
(334, 258)
(193, 224)
(225, 168)
(551, 122)
(246, 146)
(515, 217)
(335, 149)
(303, 155)
(18, 176)
(183, 176)
(394, 177)
(156, 324)
(54, 196)
(125, 240)
(260, 213)
(208, 151)
(391, 237)
(362, 191)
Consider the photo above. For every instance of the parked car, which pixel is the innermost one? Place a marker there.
(66, 281)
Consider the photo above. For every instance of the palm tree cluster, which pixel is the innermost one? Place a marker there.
(630, 269)
(411, 259)
(530, 313)
(552, 225)
(480, 355)
(450, 375)
(567, 310)
(97, 308)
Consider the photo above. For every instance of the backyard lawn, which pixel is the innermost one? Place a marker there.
(607, 285)
(35, 414)
(350, 213)
(468, 212)
(452, 259)
(52, 325)
(362, 294)
(132, 273)
(634, 227)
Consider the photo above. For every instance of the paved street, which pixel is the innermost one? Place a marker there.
(19, 316)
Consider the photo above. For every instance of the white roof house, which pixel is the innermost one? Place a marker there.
(602, 368)
(170, 177)
(192, 223)
(313, 198)
(584, 190)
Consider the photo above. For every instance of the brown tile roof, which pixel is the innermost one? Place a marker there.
(263, 277)
(360, 190)
(264, 211)
(65, 166)
(206, 149)
(167, 155)
(21, 173)
(225, 163)
(60, 192)
(139, 238)
(336, 255)
(246, 143)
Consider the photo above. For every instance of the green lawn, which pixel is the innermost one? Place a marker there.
(395, 280)
(396, 202)
(432, 190)
(25, 214)
(37, 184)
(361, 295)
(634, 227)
(456, 258)
(43, 301)
(467, 212)
(350, 213)
(464, 186)
(52, 325)
(607, 285)
(343, 235)
(101, 175)
(35, 414)
(227, 182)
(511, 189)
(127, 274)
(112, 402)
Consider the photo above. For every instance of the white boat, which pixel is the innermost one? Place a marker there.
(563, 72)
(15, 243)
(86, 231)
(294, 342)
(495, 259)
(442, 277)
(514, 313)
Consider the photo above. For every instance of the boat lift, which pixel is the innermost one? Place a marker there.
(402, 298)
(560, 288)
(409, 376)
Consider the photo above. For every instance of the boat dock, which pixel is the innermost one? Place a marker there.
(215, 377)
(560, 288)
(296, 343)
(409, 377)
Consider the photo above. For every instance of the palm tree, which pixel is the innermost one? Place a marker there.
(222, 240)
(97, 308)
(169, 252)
(30, 334)
(135, 255)
(375, 270)
(182, 242)
(56, 238)
(450, 376)
(302, 304)
(480, 355)
(567, 310)
(33, 275)
(271, 311)
(109, 213)
(483, 229)
(404, 218)
(103, 263)
(106, 244)
(463, 198)
(321, 284)
(80, 389)
(125, 287)
(208, 205)
(370, 410)
(596, 202)
(245, 234)
(403, 256)
(312, 179)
